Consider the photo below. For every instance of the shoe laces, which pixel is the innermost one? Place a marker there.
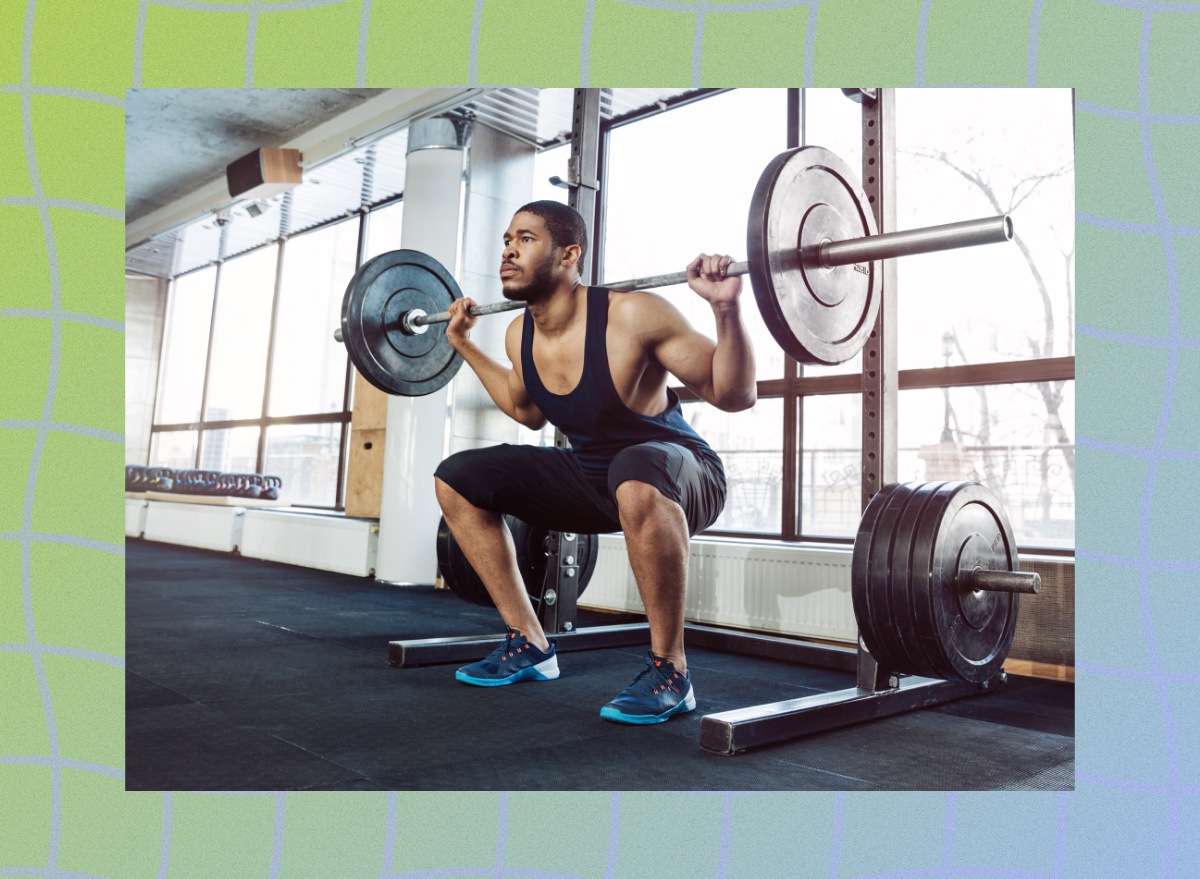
(507, 650)
(502, 650)
(652, 679)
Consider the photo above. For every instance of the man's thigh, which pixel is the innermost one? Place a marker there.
(541, 486)
(689, 479)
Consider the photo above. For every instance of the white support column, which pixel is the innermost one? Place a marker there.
(416, 426)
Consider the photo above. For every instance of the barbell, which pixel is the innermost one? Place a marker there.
(813, 261)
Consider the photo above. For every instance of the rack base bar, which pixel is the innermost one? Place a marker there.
(469, 648)
(732, 732)
(771, 647)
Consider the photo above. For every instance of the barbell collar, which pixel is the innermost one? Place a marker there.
(929, 239)
(441, 317)
(1024, 582)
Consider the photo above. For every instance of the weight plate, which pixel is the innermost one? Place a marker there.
(869, 606)
(376, 298)
(889, 567)
(919, 658)
(971, 630)
(530, 543)
(818, 315)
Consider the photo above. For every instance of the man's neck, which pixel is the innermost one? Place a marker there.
(559, 313)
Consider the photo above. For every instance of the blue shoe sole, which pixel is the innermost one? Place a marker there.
(610, 713)
(525, 674)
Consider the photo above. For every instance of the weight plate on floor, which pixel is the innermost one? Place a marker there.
(868, 611)
(381, 291)
(965, 528)
(884, 593)
(920, 657)
(530, 544)
(805, 197)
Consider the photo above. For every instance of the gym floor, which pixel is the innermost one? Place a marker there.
(248, 675)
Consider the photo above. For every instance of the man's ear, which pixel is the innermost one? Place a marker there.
(571, 254)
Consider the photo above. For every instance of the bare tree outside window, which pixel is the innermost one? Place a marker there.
(1003, 152)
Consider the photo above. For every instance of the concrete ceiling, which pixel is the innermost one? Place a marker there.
(177, 140)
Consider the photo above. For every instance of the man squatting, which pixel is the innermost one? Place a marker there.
(594, 363)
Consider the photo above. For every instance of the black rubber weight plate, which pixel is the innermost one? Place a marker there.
(973, 629)
(380, 292)
(867, 610)
(530, 542)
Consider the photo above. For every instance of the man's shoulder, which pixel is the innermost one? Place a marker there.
(636, 305)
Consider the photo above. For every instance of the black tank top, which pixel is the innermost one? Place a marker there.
(592, 415)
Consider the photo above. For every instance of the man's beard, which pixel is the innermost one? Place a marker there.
(538, 288)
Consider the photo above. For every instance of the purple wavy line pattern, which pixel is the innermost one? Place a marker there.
(1173, 793)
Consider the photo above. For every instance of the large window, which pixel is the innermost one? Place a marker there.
(185, 348)
(679, 183)
(308, 370)
(273, 384)
(985, 340)
(241, 332)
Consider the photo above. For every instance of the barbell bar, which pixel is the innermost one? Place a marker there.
(1023, 582)
(890, 245)
(930, 239)
(813, 261)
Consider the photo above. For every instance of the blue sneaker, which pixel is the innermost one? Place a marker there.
(658, 692)
(514, 660)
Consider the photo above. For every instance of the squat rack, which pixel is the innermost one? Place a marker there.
(880, 691)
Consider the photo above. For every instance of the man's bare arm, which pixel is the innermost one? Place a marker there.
(723, 373)
(504, 385)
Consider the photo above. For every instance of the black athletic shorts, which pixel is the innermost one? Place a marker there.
(546, 488)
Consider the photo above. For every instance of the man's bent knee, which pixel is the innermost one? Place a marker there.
(639, 500)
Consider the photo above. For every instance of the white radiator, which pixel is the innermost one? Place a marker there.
(135, 517)
(792, 590)
(208, 527)
(329, 543)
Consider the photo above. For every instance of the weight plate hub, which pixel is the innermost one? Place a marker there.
(916, 546)
(804, 198)
(974, 629)
(377, 297)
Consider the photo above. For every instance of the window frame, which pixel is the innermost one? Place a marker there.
(265, 421)
(794, 387)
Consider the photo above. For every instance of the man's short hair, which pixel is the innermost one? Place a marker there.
(564, 223)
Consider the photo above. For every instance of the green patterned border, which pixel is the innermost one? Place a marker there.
(64, 66)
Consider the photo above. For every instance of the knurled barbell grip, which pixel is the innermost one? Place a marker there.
(648, 283)
(1026, 582)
